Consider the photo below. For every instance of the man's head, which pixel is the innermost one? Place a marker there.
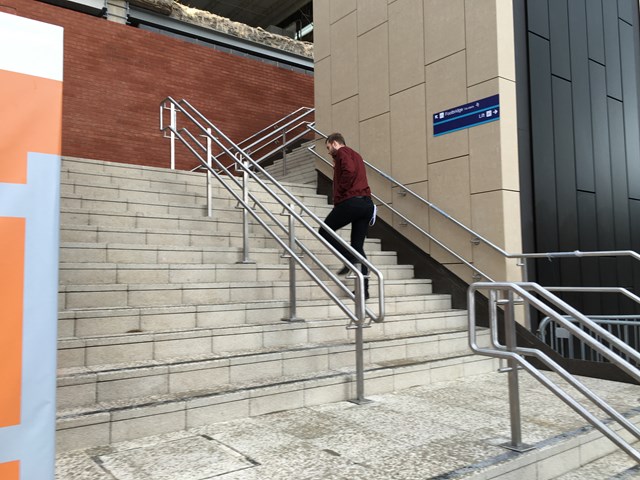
(334, 142)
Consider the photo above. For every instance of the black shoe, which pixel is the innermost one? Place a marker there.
(366, 294)
(344, 270)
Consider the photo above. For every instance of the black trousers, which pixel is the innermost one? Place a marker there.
(356, 211)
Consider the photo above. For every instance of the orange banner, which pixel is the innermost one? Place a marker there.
(10, 471)
(31, 126)
(12, 241)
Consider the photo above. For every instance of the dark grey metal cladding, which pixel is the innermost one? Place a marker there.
(538, 17)
(583, 139)
(612, 51)
(559, 37)
(630, 88)
(584, 72)
(595, 30)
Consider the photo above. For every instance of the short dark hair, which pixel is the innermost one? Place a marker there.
(336, 137)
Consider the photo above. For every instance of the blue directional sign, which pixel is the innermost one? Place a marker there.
(467, 116)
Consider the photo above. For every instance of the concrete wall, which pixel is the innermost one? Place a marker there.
(116, 75)
(383, 68)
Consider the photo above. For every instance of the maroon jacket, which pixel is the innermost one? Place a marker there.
(349, 176)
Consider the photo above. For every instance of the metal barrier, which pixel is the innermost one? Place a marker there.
(292, 207)
(624, 327)
(507, 295)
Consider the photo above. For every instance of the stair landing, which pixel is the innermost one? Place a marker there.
(450, 430)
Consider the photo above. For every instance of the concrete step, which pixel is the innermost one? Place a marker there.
(126, 420)
(122, 200)
(171, 224)
(142, 252)
(90, 167)
(151, 179)
(617, 465)
(113, 321)
(176, 238)
(90, 352)
(165, 185)
(173, 370)
(72, 297)
(130, 273)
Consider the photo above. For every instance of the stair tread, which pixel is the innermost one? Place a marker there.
(250, 328)
(375, 340)
(133, 246)
(144, 401)
(252, 284)
(180, 176)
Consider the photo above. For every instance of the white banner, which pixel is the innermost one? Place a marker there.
(30, 146)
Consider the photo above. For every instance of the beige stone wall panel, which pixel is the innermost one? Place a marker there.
(408, 136)
(322, 95)
(406, 44)
(371, 13)
(415, 210)
(373, 65)
(444, 25)
(506, 39)
(376, 149)
(462, 271)
(387, 67)
(345, 121)
(449, 190)
(482, 41)
(494, 147)
(340, 8)
(323, 167)
(486, 163)
(321, 30)
(446, 87)
(344, 58)
(496, 217)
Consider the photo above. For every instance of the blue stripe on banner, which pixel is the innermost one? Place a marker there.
(466, 115)
(466, 126)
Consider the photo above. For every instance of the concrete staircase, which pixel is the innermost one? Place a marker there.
(300, 167)
(161, 330)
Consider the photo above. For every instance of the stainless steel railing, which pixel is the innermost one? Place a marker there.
(506, 295)
(599, 340)
(292, 207)
(475, 237)
(273, 138)
(624, 327)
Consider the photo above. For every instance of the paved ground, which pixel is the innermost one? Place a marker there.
(442, 431)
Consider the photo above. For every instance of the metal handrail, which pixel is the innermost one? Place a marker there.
(250, 168)
(278, 127)
(533, 295)
(477, 238)
(275, 125)
(278, 133)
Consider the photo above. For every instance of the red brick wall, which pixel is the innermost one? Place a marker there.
(115, 77)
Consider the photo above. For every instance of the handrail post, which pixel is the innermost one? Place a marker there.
(284, 152)
(514, 389)
(209, 155)
(292, 270)
(245, 213)
(174, 128)
(360, 313)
